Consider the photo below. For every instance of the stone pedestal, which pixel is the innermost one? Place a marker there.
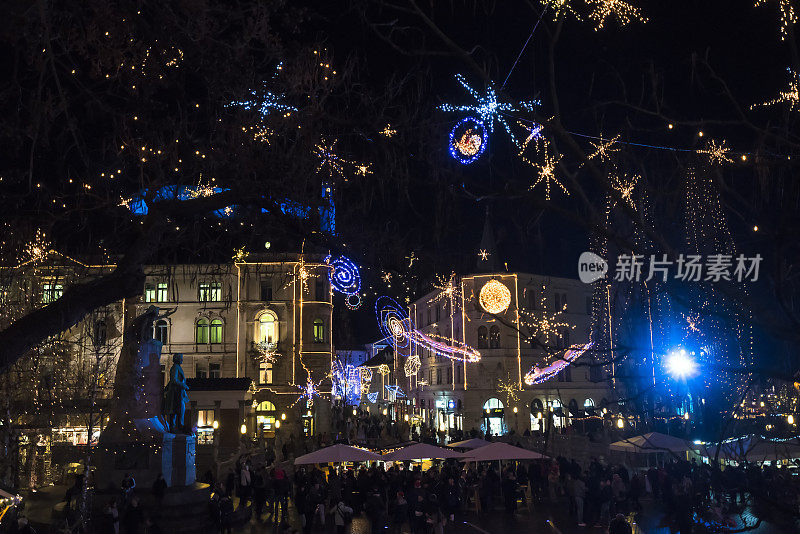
(144, 449)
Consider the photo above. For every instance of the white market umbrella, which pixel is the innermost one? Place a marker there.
(501, 451)
(337, 453)
(474, 443)
(652, 442)
(420, 451)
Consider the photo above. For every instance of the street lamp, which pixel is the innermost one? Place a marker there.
(283, 417)
(620, 423)
(215, 424)
(790, 419)
(243, 429)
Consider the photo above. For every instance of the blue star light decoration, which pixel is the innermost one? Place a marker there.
(266, 102)
(308, 391)
(372, 397)
(486, 110)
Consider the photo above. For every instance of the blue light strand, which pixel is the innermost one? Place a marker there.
(343, 275)
(394, 323)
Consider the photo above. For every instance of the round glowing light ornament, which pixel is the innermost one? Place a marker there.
(468, 140)
(393, 321)
(494, 297)
(344, 277)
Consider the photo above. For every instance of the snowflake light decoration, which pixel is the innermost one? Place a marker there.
(547, 173)
(509, 388)
(265, 101)
(240, 254)
(308, 391)
(37, 248)
(448, 287)
(543, 322)
(604, 148)
(626, 188)
(487, 109)
(792, 96)
(267, 352)
(412, 365)
(388, 131)
(717, 153)
(328, 159)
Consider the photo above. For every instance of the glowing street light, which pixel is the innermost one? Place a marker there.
(620, 423)
(680, 364)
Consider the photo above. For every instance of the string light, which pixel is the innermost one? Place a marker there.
(604, 148)
(412, 365)
(792, 96)
(625, 12)
(534, 134)
(543, 323)
(626, 188)
(788, 15)
(328, 159)
(37, 248)
(372, 397)
(508, 387)
(494, 297)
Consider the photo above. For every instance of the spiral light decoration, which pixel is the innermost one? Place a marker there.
(537, 376)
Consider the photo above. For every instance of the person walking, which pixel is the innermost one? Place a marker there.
(342, 516)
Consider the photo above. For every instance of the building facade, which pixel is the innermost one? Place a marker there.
(516, 321)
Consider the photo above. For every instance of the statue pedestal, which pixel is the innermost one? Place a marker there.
(144, 451)
(177, 459)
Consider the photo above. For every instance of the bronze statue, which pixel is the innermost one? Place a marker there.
(175, 397)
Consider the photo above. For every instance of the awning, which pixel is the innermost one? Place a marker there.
(652, 442)
(420, 451)
(473, 443)
(337, 453)
(501, 451)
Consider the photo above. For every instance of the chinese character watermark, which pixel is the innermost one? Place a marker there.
(687, 268)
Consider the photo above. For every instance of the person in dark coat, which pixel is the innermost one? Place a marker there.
(159, 489)
(376, 511)
(134, 518)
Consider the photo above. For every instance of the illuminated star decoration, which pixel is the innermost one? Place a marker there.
(448, 287)
(36, 249)
(328, 158)
(265, 101)
(604, 148)
(691, 323)
(625, 12)
(266, 351)
(487, 108)
(411, 258)
(547, 173)
(412, 365)
(559, 6)
(308, 391)
(625, 188)
(388, 131)
(717, 153)
(788, 15)
(372, 397)
(239, 255)
(300, 274)
(543, 322)
(792, 96)
(508, 388)
(483, 254)
(363, 169)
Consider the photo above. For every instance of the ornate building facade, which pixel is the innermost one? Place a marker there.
(516, 321)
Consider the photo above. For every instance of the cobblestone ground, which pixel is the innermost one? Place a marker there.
(545, 519)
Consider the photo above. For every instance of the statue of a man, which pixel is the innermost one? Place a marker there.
(175, 396)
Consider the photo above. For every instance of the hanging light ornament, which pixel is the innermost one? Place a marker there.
(468, 140)
(494, 297)
(344, 277)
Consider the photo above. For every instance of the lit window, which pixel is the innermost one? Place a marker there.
(215, 333)
(160, 330)
(161, 292)
(214, 370)
(149, 293)
(201, 335)
(51, 292)
(265, 373)
(319, 331)
(267, 328)
(210, 292)
(205, 418)
(265, 406)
